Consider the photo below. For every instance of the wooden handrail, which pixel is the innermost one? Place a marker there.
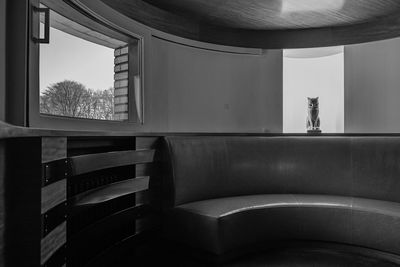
(11, 131)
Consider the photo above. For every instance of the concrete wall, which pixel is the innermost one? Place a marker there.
(198, 90)
(2, 58)
(372, 87)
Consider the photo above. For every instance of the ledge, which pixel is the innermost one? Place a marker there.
(10, 131)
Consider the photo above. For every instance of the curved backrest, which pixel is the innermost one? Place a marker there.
(212, 167)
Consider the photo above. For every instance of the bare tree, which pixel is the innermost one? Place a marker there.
(103, 104)
(73, 99)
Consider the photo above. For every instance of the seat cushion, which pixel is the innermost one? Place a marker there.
(225, 224)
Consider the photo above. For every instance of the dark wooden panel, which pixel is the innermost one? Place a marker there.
(22, 202)
(142, 198)
(91, 145)
(94, 162)
(132, 251)
(111, 191)
(2, 199)
(53, 148)
(154, 170)
(90, 242)
(148, 169)
(146, 223)
(147, 142)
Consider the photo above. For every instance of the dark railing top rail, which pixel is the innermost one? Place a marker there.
(11, 131)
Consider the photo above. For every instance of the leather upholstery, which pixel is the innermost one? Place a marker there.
(225, 224)
(230, 192)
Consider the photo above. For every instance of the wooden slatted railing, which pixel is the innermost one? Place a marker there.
(107, 201)
(74, 198)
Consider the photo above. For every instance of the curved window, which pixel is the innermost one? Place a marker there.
(86, 71)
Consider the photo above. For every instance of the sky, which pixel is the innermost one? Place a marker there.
(72, 58)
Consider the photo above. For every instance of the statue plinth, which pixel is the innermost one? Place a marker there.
(316, 131)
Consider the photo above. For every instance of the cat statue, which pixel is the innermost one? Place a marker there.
(313, 122)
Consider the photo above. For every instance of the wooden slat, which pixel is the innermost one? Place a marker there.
(52, 242)
(111, 191)
(94, 162)
(53, 148)
(53, 194)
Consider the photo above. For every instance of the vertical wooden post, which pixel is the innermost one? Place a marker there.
(54, 201)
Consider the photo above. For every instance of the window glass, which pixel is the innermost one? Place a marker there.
(84, 73)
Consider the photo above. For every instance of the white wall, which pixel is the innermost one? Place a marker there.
(197, 90)
(312, 77)
(373, 87)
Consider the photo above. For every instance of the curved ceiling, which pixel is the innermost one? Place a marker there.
(279, 14)
(269, 23)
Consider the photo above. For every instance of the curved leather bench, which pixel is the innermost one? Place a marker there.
(228, 193)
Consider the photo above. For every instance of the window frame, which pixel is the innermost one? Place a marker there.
(39, 120)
